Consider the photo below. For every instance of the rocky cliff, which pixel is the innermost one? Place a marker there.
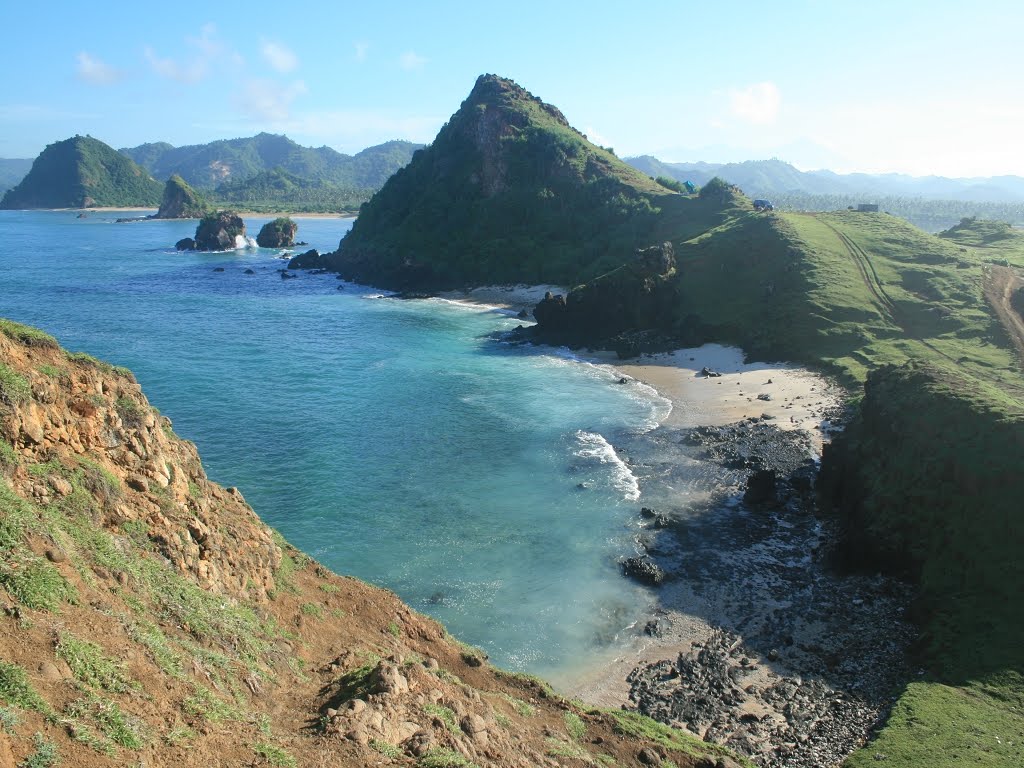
(151, 618)
(279, 233)
(180, 201)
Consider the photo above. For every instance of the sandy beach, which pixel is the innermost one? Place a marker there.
(513, 297)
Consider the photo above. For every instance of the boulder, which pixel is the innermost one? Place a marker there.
(550, 311)
(279, 233)
(217, 231)
(761, 488)
(185, 244)
(311, 259)
(644, 570)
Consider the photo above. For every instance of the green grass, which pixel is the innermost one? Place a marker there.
(24, 334)
(945, 727)
(14, 388)
(209, 706)
(574, 726)
(44, 755)
(274, 755)
(179, 735)
(17, 691)
(312, 609)
(386, 749)
(8, 720)
(8, 456)
(330, 589)
(559, 748)
(114, 725)
(90, 667)
(443, 757)
(521, 707)
(444, 714)
(642, 727)
(160, 649)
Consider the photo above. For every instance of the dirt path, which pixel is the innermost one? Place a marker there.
(1000, 283)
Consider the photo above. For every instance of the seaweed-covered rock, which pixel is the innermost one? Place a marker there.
(279, 233)
(217, 231)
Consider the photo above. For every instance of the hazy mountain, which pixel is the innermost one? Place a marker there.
(12, 171)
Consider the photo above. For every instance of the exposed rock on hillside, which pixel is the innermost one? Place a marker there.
(507, 192)
(180, 201)
(152, 618)
(279, 233)
(217, 231)
(83, 172)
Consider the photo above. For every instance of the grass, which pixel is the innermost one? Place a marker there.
(329, 589)
(44, 754)
(24, 334)
(523, 708)
(210, 707)
(312, 609)
(386, 749)
(642, 727)
(394, 629)
(179, 735)
(443, 757)
(8, 456)
(559, 748)
(91, 667)
(8, 720)
(444, 714)
(274, 755)
(17, 691)
(574, 726)
(529, 681)
(14, 388)
(114, 726)
(160, 649)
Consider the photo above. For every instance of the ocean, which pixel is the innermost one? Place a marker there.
(403, 442)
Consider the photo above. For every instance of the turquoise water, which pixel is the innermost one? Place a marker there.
(397, 441)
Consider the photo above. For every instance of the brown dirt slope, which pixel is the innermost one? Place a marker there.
(150, 618)
(1000, 285)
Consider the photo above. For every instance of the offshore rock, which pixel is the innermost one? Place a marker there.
(180, 201)
(309, 260)
(279, 233)
(217, 231)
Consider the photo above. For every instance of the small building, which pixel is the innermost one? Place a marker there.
(867, 207)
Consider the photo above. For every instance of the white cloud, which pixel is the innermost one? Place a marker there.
(279, 57)
(205, 49)
(93, 70)
(594, 137)
(362, 49)
(411, 60)
(758, 103)
(269, 100)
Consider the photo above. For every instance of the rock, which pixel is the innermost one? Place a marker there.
(217, 231)
(311, 259)
(644, 570)
(279, 233)
(711, 374)
(61, 486)
(287, 276)
(50, 672)
(180, 201)
(523, 315)
(185, 244)
(218, 269)
(648, 756)
(249, 272)
(419, 743)
(647, 512)
(550, 311)
(55, 555)
(761, 487)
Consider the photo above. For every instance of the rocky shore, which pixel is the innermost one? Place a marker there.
(754, 641)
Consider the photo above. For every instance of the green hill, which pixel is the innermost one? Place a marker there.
(83, 172)
(277, 190)
(207, 166)
(507, 192)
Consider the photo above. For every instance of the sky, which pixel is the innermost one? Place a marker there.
(900, 86)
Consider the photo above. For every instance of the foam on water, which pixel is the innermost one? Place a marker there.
(595, 448)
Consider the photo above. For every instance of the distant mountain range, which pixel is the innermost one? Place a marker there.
(764, 178)
(207, 166)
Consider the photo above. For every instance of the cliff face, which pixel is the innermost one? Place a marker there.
(151, 617)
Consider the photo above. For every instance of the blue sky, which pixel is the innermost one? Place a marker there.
(913, 87)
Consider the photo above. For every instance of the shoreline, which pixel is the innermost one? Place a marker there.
(751, 641)
(255, 214)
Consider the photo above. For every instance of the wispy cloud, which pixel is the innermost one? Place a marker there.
(362, 50)
(204, 49)
(93, 70)
(410, 60)
(758, 103)
(595, 137)
(269, 100)
(281, 58)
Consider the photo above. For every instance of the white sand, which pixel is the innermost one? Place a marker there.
(515, 297)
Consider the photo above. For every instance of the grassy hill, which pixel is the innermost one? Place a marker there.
(507, 192)
(83, 172)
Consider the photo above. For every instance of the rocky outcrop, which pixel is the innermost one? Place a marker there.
(635, 297)
(185, 244)
(180, 201)
(311, 259)
(218, 231)
(279, 233)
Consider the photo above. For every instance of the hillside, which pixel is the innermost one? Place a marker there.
(151, 618)
(207, 166)
(278, 190)
(507, 192)
(83, 172)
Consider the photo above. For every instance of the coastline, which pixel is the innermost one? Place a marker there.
(258, 214)
(751, 641)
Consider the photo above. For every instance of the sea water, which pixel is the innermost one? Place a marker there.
(402, 442)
